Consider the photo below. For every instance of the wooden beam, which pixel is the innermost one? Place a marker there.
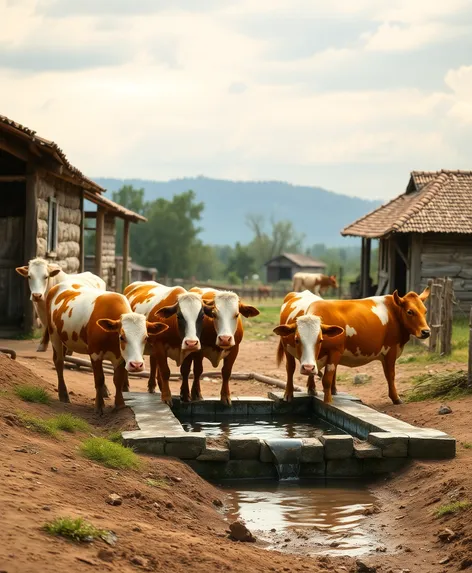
(90, 214)
(31, 231)
(82, 232)
(14, 148)
(12, 178)
(365, 267)
(99, 242)
(402, 255)
(125, 253)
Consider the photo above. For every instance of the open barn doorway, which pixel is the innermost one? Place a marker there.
(400, 264)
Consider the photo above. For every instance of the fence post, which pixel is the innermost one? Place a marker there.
(447, 316)
(340, 282)
(436, 292)
(469, 377)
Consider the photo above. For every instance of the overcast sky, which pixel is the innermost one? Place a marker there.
(348, 94)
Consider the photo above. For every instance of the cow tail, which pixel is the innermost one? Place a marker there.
(280, 353)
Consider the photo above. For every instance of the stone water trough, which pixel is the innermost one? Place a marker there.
(361, 443)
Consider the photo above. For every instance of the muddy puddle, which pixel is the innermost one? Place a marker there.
(305, 517)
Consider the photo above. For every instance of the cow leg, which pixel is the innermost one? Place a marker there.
(311, 387)
(43, 345)
(58, 358)
(185, 371)
(152, 374)
(197, 372)
(120, 378)
(99, 377)
(388, 364)
(329, 376)
(290, 368)
(164, 372)
(334, 390)
(226, 374)
(125, 378)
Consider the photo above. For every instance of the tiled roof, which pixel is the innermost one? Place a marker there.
(434, 202)
(49, 147)
(114, 208)
(300, 260)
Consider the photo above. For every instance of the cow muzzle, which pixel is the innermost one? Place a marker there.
(225, 340)
(190, 344)
(37, 296)
(425, 333)
(135, 366)
(308, 369)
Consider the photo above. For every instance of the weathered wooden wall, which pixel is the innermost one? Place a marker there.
(69, 222)
(108, 252)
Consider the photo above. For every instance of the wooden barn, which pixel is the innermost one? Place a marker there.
(42, 214)
(424, 233)
(284, 266)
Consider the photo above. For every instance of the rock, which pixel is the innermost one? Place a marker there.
(140, 561)
(381, 549)
(444, 560)
(239, 532)
(444, 410)
(217, 503)
(446, 535)
(114, 499)
(109, 538)
(54, 469)
(155, 505)
(361, 567)
(273, 530)
(361, 379)
(176, 479)
(169, 505)
(106, 555)
(46, 508)
(371, 510)
(137, 528)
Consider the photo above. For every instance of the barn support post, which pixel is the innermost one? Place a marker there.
(125, 254)
(447, 316)
(365, 267)
(82, 233)
(31, 231)
(469, 376)
(99, 233)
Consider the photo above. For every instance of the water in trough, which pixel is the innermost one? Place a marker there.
(305, 517)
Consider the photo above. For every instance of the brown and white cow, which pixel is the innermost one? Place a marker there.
(221, 335)
(101, 324)
(377, 328)
(42, 276)
(306, 338)
(317, 283)
(182, 311)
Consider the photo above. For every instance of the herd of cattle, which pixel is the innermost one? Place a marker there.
(79, 315)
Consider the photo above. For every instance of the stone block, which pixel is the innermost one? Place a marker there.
(185, 450)
(266, 455)
(363, 450)
(258, 406)
(237, 408)
(348, 467)
(337, 447)
(155, 446)
(383, 465)
(245, 448)
(313, 470)
(431, 448)
(312, 451)
(204, 408)
(285, 450)
(393, 445)
(214, 454)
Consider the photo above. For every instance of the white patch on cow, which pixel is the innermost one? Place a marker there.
(190, 304)
(330, 367)
(380, 308)
(226, 319)
(308, 327)
(300, 304)
(350, 330)
(135, 331)
(157, 294)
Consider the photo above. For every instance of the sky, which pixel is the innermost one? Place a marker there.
(349, 95)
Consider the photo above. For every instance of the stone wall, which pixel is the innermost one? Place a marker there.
(108, 252)
(67, 253)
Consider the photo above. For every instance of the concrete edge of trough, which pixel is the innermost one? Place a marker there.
(375, 443)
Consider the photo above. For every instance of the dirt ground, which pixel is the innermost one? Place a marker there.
(178, 527)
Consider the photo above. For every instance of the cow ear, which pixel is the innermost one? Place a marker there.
(154, 328)
(208, 309)
(247, 310)
(425, 294)
(331, 331)
(397, 299)
(54, 272)
(285, 329)
(109, 325)
(23, 271)
(167, 311)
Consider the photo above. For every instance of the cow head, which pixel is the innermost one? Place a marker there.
(134, 331)
(225, 310)
(333, 282)
(413, 312)
(306, 336)
(38, 272)
(189, 312)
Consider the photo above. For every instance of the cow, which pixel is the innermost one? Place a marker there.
(222, 333)
(377, 328)
(305, 337)
(183, 312)
(315, 282)
(264, 291)
(101, 324)
(42, 276)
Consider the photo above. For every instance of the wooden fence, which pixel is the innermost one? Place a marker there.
(440, 314)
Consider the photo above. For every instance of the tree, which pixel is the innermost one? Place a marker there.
(241, 262)
(133, 199)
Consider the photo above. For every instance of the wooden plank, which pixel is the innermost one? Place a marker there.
(12, 178)
(99, 242)
(415, 262)
(31, 232)
(366, 246)
(125, 253)
(435, 319)
(82, 232)
(448, 313)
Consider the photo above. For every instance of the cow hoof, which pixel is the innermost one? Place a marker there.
(226, 400)
(167, 400)
(185, 398)
(64, 398)
(119, 407)
(197, 398)
(41, 348)
(151, 390)
(311, 392)
(397, 401)
(288, 398)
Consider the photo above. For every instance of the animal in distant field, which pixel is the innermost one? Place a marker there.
(264, 291)
(101, 324)
(305, 337)
(42, 276)
(377, 328)
(182, 312)
(221, 335)
(317, 283)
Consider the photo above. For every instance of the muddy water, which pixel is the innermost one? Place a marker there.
(305, 517)
(265, 428)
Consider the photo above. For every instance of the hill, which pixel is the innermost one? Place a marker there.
(316, 212)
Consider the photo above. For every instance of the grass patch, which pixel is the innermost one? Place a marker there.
(109, 454)
(32, 394)
(261, 326)
(441, 385)
(160, 483)
(453, 507)
(467, 445)
(69, 423)
(51, 426)
(76, 529)
(115, 437)
(39, 425)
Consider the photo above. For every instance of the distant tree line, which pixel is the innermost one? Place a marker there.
(170, 242)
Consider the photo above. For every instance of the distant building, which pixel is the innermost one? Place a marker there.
(284, 266)
(135, 272)
(423, 234)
